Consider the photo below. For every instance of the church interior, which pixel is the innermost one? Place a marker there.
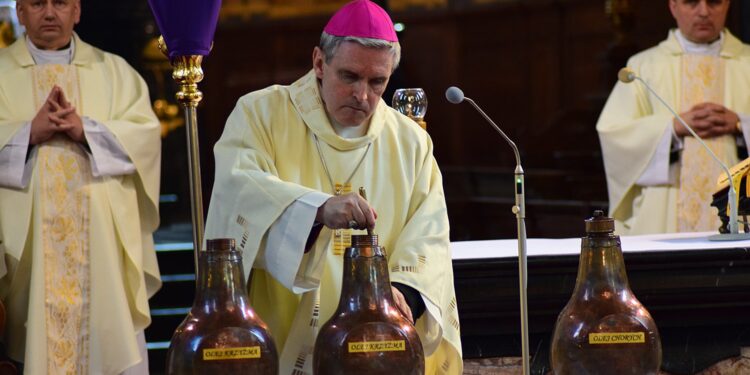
(542, 70)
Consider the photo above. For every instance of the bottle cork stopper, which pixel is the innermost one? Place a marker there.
(600, 223)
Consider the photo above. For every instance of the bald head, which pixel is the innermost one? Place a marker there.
(700, 21)
(49, 23)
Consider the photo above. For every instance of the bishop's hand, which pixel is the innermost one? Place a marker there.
(402, 305)
(347, 211)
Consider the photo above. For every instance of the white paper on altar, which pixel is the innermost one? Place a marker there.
(464, 250)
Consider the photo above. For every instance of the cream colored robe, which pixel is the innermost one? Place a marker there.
(633, 122)
(267, 158)
(124, 214)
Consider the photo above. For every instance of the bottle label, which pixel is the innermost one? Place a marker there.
(617, 338)
(245, 352)
(377, 346)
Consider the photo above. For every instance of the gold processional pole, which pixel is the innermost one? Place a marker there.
(221, 333)
(187, 28)
(187, 73)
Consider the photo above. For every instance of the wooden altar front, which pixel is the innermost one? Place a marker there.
(697, 291)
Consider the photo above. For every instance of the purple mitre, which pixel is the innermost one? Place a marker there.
(187, 26)
(362, 19)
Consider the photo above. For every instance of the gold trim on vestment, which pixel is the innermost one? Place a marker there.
(702, 81)
(342, 238)
(64, 181)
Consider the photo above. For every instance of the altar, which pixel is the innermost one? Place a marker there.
(698, 292)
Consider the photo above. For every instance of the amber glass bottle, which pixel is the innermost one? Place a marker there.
(222, 334)
(367, 334)
(604, 329)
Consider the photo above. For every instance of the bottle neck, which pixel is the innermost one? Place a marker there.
(601, 265)
(366, 285)
(221, 281)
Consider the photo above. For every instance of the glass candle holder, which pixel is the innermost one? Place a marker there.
(411, 102)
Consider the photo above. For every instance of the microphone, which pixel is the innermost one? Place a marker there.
(627, 75)
(454, 95)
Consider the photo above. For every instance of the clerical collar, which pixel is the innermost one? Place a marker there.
(63, 56)
(348, 132)
(692, 48)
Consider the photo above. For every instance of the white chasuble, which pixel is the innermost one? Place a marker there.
(78, 248)
(268, 158)
(633, 124)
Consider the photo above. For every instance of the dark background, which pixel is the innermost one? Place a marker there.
(542, 69)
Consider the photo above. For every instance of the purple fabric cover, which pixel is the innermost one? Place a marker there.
(187, 26)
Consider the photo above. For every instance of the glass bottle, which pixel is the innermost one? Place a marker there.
(222, 334)
(604, 329)
(367, 335)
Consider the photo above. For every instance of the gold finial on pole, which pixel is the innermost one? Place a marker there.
(187, 73)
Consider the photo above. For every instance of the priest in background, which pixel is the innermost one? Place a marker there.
(288, 167)
(80, 154)
(659, 178)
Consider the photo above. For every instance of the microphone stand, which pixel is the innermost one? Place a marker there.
(520, 210)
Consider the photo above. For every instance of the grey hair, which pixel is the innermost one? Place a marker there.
(330, 43)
